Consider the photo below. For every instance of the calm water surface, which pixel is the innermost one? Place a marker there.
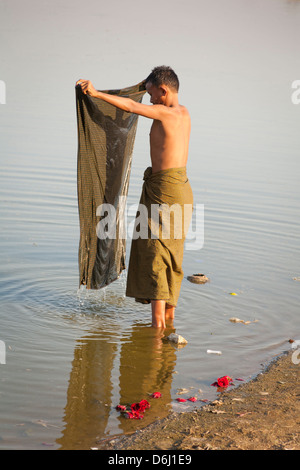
(73, 355)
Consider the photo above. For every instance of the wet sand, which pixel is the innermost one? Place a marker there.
(263, 414)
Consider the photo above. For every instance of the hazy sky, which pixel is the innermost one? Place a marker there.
(114, 42)
(236, 60)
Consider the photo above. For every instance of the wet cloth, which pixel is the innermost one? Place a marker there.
(155, 264)
(106, 136)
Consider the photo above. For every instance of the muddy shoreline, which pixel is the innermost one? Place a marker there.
(263, 414)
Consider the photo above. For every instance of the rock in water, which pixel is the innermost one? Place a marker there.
(198, 278)
(174, 338)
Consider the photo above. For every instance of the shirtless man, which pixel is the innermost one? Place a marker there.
(169, 138)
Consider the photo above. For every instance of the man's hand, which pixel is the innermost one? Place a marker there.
(87, 87)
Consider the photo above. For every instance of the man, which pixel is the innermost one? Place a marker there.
(154, 272)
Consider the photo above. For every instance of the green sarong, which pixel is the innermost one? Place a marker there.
(155, 265)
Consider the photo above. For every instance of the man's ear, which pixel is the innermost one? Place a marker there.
(163, 90)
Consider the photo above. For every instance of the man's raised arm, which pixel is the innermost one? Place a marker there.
(127, 104)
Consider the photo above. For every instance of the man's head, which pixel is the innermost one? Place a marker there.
(161, 80)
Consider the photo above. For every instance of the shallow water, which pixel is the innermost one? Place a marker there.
(73, 355)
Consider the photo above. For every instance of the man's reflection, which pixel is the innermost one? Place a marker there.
(89, 392)
(146, 365)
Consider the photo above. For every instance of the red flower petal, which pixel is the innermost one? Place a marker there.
(141, 406)
(144, 404)
(135, 407)
(156, 395)
(181, 399)
(192, 399)
(222, 381)
(121, 408)
(134, 415)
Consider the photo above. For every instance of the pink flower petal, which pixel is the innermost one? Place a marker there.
(156, 395)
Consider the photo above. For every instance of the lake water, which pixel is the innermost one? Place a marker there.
(73, 355)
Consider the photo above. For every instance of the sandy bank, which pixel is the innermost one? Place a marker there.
(263, 414)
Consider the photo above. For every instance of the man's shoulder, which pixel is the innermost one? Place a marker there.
(165, 113)
(180, 109)
(184, 108)
(185, 112)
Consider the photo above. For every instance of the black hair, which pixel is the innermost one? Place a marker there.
(163, 75)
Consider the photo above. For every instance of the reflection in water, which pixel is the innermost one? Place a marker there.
(89, 385)
(146, 364)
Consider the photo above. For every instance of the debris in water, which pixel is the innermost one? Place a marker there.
(198, 278)
(211, 351)
(238, 320)
(180, 391)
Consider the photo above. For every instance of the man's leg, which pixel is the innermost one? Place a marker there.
(158, 313)
(161, 312)
(170, 312)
